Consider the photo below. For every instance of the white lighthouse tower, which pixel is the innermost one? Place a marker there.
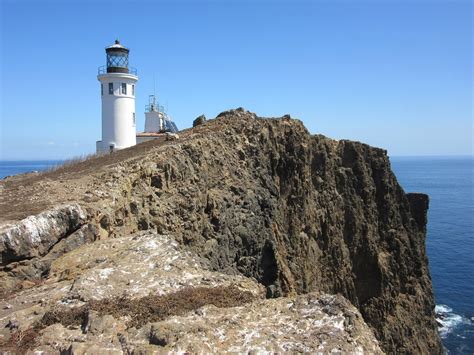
(117, 87)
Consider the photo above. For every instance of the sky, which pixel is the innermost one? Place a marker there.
(393, 74)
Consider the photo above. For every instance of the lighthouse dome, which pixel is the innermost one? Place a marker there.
(117, 58)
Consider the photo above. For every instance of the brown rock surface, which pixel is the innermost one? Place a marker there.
(146, 293)
(307, 323)
(255, 197)
(35, 235)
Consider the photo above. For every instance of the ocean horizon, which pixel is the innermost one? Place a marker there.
(449, 181)
(15, 167)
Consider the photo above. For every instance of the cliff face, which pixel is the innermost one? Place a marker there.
(264, 199)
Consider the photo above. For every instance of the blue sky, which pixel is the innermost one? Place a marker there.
(393, 74)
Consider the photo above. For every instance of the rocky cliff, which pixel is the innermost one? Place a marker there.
(248, 206)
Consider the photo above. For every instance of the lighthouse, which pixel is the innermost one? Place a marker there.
(117, 89)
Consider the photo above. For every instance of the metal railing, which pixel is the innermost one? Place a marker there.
(154, 107)
(103, 70)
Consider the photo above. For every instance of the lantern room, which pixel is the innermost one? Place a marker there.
(117, 58)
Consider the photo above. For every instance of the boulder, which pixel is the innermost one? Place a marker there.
(199, 121)
(35, 235)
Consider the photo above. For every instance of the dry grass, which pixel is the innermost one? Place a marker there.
(20, 341)
(151, 308)
(24, 195)
(141, 311)
(69, 163)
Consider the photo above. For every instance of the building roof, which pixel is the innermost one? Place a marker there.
(150, 134)
(117, 45)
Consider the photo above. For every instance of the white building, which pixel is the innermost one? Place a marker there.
(117, 86)
(157, 122)
(153, 117)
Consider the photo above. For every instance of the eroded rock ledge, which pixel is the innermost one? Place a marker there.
(255, 198)
(147, 294)
(35, 235)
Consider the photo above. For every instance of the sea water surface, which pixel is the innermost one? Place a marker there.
(450, 242)
(449, 181)
(14, 167)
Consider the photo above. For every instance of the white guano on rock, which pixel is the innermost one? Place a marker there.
(35, 235)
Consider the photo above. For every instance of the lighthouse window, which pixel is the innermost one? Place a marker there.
(102, 89)
(124, 89)
(111, 88)
(133, 90)
(133, 118)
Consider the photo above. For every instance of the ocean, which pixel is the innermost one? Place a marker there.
(450, 242)
(8, 167)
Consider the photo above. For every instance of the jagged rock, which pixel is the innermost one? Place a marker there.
(260, 198)
(171, 136)
(199, 121)
(97, 324)
(309, 323)
(135, 266)
(140, 264)
(27, 273)
(92, 348)
(419, 205)
(152, 264)
(35, 235)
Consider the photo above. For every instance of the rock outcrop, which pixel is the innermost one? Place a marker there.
(199, 120)
(251, 199)
(35, 235)
(145, 294)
